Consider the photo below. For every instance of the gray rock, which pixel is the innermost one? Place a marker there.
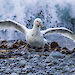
(22, 62)
(72, 70)
(13, 74)
(63, 64)
(49, 59)
(30, 73)
(57, 55)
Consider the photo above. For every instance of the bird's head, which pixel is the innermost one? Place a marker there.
(38, 22)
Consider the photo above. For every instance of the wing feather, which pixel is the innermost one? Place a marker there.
(12, 24)
(61, 30)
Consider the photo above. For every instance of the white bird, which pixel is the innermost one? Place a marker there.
(35, 36)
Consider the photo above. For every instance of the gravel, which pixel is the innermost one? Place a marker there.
(55, 63)
(23, 62)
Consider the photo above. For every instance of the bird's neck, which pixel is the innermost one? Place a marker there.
(36, 29)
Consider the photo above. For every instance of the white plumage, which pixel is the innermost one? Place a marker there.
(35, 36)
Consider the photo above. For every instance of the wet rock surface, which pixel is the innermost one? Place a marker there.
(18, 58)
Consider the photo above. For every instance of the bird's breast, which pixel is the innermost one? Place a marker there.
(36, 40)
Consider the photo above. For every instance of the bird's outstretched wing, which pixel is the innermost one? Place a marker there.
(61, 30)
(12, 24)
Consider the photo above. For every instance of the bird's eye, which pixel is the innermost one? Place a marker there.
(37, 21)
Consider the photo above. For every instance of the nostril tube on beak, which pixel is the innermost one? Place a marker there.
(41, 25)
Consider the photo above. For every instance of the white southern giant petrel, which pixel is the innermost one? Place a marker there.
(35, 36)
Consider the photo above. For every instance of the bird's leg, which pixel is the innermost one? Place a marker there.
(26, 46)
(43, 50)
(46, 47)
(23, 46)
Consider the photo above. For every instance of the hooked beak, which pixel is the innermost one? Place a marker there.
(41, 25)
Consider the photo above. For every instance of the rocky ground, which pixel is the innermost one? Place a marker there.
(18, 58)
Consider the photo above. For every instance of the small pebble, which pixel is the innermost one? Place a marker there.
(13, 74)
